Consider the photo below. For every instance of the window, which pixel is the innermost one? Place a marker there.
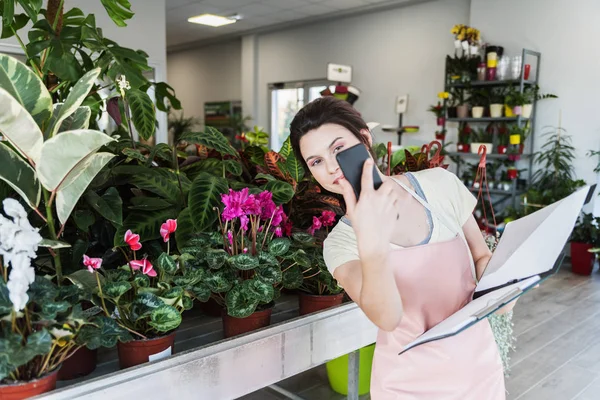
(286, 100)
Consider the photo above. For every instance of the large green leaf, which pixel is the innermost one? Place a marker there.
(218, 281)
(212, 139)
(240, 302)
(143, 113)
(259, 289)
(165, 318)
(159, 181)
(105, 332)
(84, 219)
(146, 224)
(283, 192)
(292, 278)
(270, 274)
(67, 196)
(54, 244)
(51, 309)
(63, 156)
(286, 148)
(243, 262)
(279, 246)
(32, 8)
(109, 205)
(233, 167)
(162, 91)
(22, 83)
(114, 290)
(185, 228)
(39, 343)
(76, 96)
(8, 13)
(294, 167)
(205, 195)
(150, 204)
(19, 128)
(144, 303)
(19, 175)
(167, 264)
(216, 258)
(80, 119)
(118, 10)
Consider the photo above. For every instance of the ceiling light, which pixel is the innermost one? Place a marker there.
(212, 20)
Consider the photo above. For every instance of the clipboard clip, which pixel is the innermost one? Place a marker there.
(494, 304)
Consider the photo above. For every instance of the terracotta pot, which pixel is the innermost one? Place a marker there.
(310, 303)
(138, 352)
(81, 363)
(25, 390)
(463, 147)
(512, 173)
(211, 308)
(582, 261)
(462, 111)
(236, 326)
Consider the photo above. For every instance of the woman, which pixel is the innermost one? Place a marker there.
(409, 255)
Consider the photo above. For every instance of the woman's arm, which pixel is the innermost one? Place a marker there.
(481, 254)
(372, 286)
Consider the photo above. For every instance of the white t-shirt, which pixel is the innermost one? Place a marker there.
(444, 192)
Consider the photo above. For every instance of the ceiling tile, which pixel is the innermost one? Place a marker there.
(173, 4)
(290, 15)
(344, 4)
(317, 9)
(254, 10)
(285, 4)
(227, 4)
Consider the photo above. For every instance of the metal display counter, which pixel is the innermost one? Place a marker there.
(228, 369)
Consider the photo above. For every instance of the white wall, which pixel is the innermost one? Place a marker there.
(392, 52)
(211, 73)
(145, 31)
(565, 34)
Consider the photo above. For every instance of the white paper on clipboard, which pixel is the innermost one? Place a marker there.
(531, 245)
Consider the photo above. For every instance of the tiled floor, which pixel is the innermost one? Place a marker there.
(558, 346)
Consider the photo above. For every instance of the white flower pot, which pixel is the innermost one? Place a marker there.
(496, 110)
(526, 112)
(474, 50)
(475, 147)
(477, 112)
(457, 44)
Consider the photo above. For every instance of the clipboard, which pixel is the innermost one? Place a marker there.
(507, 276)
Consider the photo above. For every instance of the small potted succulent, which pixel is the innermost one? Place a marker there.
(245, 260)
(464, 138)
(146, 297)
(585, 236)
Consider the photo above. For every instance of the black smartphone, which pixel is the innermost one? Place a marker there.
(351, 162)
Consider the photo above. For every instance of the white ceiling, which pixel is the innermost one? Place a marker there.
(258, 15)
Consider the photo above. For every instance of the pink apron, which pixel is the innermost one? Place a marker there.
(435, 280)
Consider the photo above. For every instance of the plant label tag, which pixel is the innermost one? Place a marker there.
(159, 356)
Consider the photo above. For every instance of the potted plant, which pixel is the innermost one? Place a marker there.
(319, 289)
(462, 109)
(585, 236)
(496, 102)
(464, 138)
(440, 135)
(482, 138)
(438, 111)
(147, 297)
(479, 100)
(531, 95)
(39, 320)
(514, 101)
(503, 141)
(248, 260)
(512, 173)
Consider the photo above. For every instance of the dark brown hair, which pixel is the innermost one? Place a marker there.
(321, 111)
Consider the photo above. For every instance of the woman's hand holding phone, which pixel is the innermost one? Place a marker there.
(373, 215)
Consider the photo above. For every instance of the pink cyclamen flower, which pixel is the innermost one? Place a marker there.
(92, 263)
(266, 204)
(238, 203)
(144, 265)
(327, 218)
(277, 216)
(278, 232)
(316, 225)
(230, 237)
(133, 240)
(167, 228)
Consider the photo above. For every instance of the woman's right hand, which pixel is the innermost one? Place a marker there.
(374, 215)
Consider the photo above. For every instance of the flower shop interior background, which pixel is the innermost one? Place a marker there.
(181, 220)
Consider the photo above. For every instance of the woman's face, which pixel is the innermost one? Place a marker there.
(319, 148)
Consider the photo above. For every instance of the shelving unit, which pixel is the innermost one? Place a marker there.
(501, 196)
